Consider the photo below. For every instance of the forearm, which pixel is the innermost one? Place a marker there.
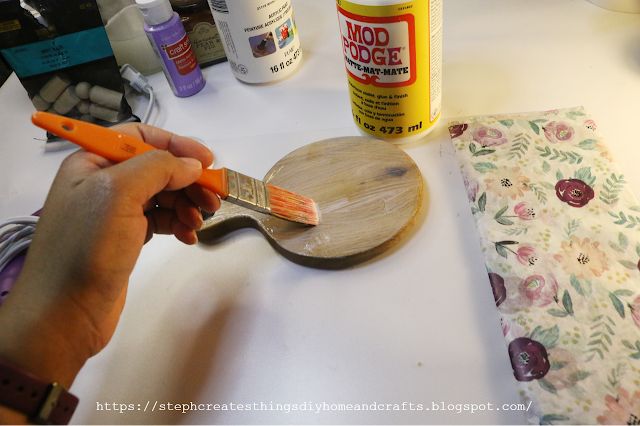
(42, 329)
(67, 301)
(35, 345)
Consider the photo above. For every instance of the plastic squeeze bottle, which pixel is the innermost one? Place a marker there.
(171, 44)
(393, 55)
(261, 39)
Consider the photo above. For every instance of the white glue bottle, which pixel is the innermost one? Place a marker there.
(260, 38)
(393, 55)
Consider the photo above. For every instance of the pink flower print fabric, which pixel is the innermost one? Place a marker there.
(558, 226)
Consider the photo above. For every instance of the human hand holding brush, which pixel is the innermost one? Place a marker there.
(228, 184)
(98, 215)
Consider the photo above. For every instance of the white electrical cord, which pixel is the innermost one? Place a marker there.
(140, 83)
(152, 101)
(16, 234)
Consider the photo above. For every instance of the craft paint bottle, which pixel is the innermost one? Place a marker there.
(393, 55)
(171, 44)
(260, 38)
(200, 27)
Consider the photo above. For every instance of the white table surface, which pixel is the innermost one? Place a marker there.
(234, 322)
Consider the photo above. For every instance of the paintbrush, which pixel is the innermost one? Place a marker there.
(228, 184)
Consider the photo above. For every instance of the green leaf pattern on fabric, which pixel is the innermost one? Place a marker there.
(558, 225)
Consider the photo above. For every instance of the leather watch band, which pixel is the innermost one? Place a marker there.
(42, 402)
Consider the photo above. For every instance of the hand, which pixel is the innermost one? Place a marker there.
(68, 299)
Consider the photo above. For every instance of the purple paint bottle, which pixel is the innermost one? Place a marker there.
(171, 44)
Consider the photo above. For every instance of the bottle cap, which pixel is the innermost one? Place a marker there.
(185, 2)
(155, 11)
(189, 6)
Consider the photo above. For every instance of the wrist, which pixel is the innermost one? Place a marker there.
(37, 365)
(40, 338)
(44, 331)
(37, 347)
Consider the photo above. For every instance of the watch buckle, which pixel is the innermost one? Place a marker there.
(49, 403)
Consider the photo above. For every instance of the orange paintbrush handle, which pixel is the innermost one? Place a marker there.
(115, 146)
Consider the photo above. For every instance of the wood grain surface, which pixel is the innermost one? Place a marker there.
(368, 193)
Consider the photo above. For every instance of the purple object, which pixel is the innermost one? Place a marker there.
(178, 60)
(9, 275)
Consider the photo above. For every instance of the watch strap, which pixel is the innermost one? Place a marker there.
(41, 402)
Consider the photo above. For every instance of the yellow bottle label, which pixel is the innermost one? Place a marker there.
(393, 59)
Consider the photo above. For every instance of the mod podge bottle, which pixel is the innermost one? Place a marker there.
(393, 56)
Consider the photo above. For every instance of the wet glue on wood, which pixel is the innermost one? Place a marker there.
(393, 56)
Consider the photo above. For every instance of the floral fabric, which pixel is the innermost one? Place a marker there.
(558, 225)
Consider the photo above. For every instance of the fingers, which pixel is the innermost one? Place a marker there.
(158, 183)
(146, 175)
(179, 146)
(178, 212)
(164, 221)
(158, 174)
(203, 197)
(186, 210)
(81, 163)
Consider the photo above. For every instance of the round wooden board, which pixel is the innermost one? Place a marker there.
(368, 193)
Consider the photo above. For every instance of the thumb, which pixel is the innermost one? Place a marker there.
(144, 176)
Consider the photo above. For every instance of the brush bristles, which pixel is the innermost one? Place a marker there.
(290, 206)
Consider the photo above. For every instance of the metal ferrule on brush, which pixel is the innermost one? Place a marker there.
(248, 192)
